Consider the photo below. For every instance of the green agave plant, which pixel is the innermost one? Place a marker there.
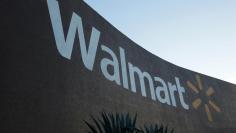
(121, 123)
(156, 129)
(113, 123)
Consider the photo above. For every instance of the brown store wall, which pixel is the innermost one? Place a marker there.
(43, 92)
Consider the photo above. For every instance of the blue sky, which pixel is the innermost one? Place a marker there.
(199, 35)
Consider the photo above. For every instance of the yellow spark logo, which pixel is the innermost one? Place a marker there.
(204, 99)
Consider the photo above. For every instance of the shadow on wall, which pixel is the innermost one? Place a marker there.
(122, 123)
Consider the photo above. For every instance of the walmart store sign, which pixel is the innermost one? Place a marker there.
(65, 47)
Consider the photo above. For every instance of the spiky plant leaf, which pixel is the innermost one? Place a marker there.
(91, 127)
(156, 129)
(97, 124)
(113, 123)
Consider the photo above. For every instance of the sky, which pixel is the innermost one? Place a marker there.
(199, 35)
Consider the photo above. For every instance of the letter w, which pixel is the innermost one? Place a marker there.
(65, 46)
